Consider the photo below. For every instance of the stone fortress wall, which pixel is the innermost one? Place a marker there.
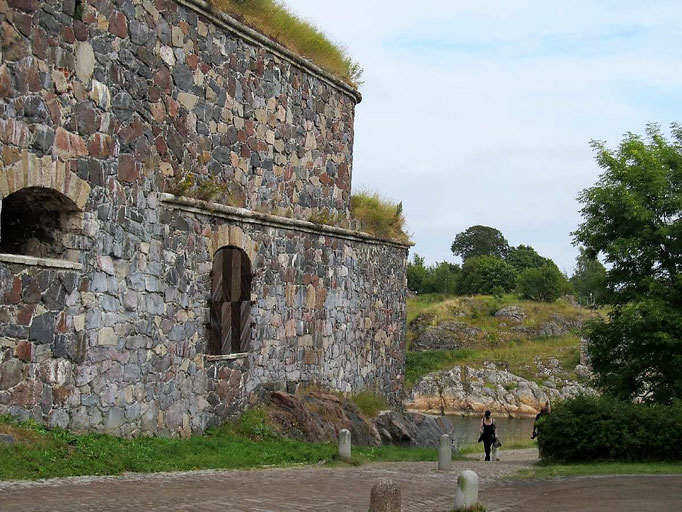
(105, 279)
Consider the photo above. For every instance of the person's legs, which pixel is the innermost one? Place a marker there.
(487, 443)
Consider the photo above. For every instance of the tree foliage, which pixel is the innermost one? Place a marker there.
(544, 284)
(633, 217)
(480, 241)
(486, 275)
(439, 278)
(589, 280)
(524, 257)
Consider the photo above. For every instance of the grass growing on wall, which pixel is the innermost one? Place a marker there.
(273, 19)
(379, 216)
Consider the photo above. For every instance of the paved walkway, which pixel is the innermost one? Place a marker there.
(342, 489)
(316, 489)
(587, 494)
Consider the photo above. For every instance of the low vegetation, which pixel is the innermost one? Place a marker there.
(596, 429)
(276, 21)
(379, 216)
(516, 346)
(518, 358)
(247, 443)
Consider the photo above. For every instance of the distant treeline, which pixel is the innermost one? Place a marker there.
(491, 267)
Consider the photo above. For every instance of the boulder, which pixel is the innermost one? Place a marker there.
(412, 428)
(446, 336)
(512, 313)
(318, 417)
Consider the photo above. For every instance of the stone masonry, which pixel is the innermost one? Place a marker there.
(104, 317)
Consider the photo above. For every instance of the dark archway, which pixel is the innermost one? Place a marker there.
(34, 221)
(230, 302)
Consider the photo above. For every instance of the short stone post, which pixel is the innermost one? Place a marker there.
(493, 455)
(445, 453)
(466, 495)
(344, 444)
(385, 497)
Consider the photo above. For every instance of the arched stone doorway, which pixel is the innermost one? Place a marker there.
(38, 221)
(230, 302)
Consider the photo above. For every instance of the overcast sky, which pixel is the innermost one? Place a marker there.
(482, 112)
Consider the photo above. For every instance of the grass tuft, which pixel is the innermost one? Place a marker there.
(369, 404)
(276, 21)
(379, 216)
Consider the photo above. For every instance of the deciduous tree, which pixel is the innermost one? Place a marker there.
(633, 218)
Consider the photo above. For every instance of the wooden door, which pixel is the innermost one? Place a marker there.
(230, 302)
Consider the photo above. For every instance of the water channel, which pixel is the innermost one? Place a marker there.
(508, 429)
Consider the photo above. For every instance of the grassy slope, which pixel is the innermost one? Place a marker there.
(249, 443)
(515, 351)
(273, 19)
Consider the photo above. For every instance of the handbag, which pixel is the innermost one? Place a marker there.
(497, 443)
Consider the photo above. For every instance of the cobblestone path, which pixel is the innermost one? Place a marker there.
(282, 490)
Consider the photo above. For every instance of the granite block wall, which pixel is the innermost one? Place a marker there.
(103, 105)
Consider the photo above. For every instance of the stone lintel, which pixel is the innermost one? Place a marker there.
(192, 205)
(40, 262)
(226, 357)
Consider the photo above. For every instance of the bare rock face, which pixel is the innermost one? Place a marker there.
(446, 336)
(412, 428)
(511, 313)
(463, 388)
(318, 417)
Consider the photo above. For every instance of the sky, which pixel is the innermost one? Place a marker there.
(482, 112)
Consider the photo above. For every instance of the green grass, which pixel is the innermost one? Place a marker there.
(273, 19)
(379, 216)
(518, 357)
(601, 468)
(369, 403)
(248, 443)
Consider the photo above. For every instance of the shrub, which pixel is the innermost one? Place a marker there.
(604, 428)
(379, 216)
(370, 404)
(275, 21)
(483, 274)
(545, 284)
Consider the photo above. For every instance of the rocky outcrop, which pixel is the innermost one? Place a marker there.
(318, 417)
(511, 313)
(475, 390)
(412, 429)
(446, 336)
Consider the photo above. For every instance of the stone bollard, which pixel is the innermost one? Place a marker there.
(344, 444)
(445, 453)
(493, 454)
(385, 497)
(466, 495)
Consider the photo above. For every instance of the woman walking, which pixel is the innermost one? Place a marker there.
(487, 433)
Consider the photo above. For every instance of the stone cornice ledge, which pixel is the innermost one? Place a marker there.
(40, 262)
(224, 20)
(264, 219)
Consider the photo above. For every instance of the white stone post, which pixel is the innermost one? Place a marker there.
(344, 444)
(445, 453)
(466, 495)
(493, 454)
(385, 497)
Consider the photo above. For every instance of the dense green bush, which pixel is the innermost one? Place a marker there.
(604, 428)
(485, 274)
(442, 277)
(545, 284)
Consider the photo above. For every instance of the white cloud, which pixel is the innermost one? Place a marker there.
(481, 112)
